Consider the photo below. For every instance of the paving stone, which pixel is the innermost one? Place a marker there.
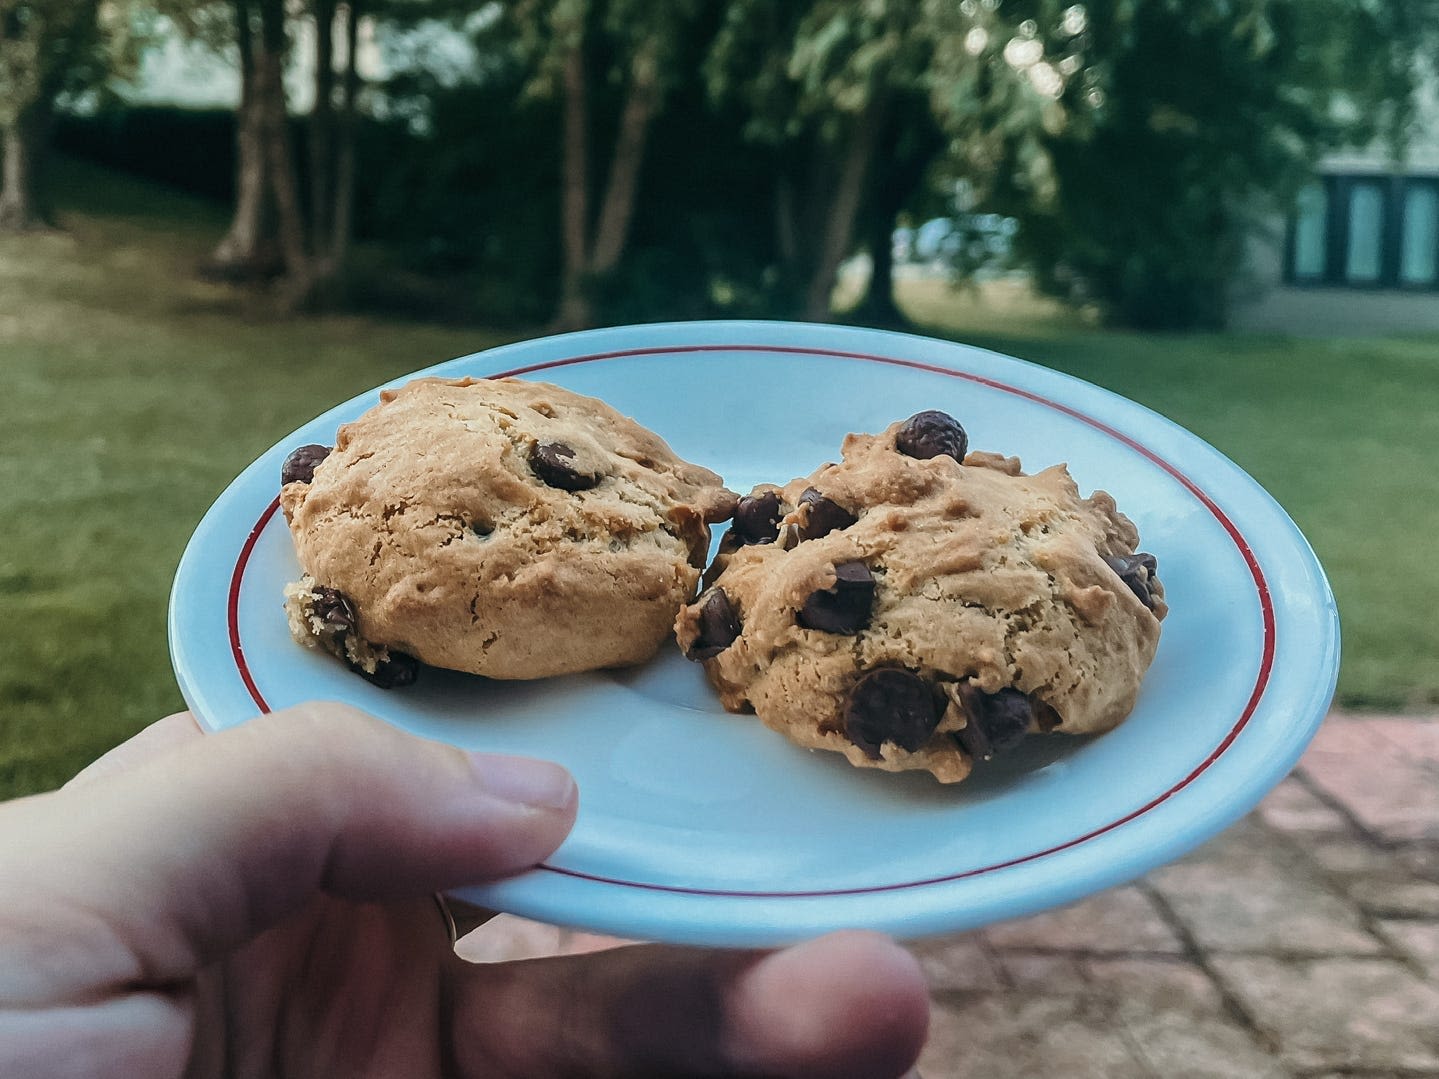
(1383, 772)
(1421, 859)
(1419, 940)
(1375, 878)
(1170, 984)
(1417, 736)
(1292, 807)
(1121, 920)
(1177, 1021)
(956, 963)
(1027, 1036)
(1043, 973)
(1252, 891)
(1339, 1013)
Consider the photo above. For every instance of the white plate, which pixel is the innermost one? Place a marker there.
(704, 827)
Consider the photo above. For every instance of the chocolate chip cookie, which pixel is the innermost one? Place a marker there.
(919, 606)
(505, 528)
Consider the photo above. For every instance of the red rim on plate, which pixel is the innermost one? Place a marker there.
(1266, 607)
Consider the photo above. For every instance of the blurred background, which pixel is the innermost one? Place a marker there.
(221, 218)
(218, 219)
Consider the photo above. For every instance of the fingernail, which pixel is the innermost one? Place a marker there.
(523, 781)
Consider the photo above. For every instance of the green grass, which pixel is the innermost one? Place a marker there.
(134, 392)
(132, 395)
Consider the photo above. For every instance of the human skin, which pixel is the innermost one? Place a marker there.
(259, 903)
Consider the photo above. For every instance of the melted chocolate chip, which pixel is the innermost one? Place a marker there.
(824, 515)
(719, 625)
(932, 434)
(392, 673)
(756, 518)
(846, 607)
(334, 609)
(1137, 571)
(553, 462)
(890, 705)
(1046, 717)
(299, 467)
(995, 721)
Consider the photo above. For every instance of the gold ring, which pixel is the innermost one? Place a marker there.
(460, 917)
(451, 929)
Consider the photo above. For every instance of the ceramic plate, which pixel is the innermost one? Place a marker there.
(704, 827)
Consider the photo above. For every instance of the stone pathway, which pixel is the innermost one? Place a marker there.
(1301, 944)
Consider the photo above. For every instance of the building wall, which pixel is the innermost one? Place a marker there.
(1264, 301)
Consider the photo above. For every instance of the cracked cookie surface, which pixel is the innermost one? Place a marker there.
(505, 528)
(918, 613)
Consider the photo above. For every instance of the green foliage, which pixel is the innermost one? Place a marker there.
(1193, 119)
(47, 47)
(472, 200)
(467, 201)
(189, 149)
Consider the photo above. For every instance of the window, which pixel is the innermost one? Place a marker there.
(1365, 245)
(1311, 226)
(1419, 251)
(1366, 232)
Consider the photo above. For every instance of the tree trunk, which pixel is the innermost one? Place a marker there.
(910, 144)
(786, 223)
(641, 103)
(247, 250)
(575, 309)
(844, 207)
(342, 220)
(322, 128)
(877, 307)
(332, 189)
(279, 161)
(23, 148)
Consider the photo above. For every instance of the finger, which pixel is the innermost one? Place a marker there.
(847, 1005)
(156, 740)
(147, 873)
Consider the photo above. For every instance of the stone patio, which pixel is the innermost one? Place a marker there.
(1304, 942)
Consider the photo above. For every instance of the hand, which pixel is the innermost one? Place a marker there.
(259, 903)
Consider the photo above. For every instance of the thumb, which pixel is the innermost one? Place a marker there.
(152, 871)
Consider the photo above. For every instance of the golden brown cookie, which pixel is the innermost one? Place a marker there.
(506, 528)
(918, 613)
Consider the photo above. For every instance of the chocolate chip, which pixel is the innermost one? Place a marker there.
(846, 607)
(824, 515)
(299, 467)
(1136, 571)
(1046, 717)
(994, 721)
(932, 434)
(719, 625)
(890, 705)
(334, 609)
(553, 462)
(756, 518)
(392, 673)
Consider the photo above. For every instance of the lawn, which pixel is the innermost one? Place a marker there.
(134, 393)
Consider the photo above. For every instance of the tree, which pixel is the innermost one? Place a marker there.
(818, 81)
(47, 48)
(274, 229)
(860, 100)
(1191, 117)
(911, 143)
(575, 49)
